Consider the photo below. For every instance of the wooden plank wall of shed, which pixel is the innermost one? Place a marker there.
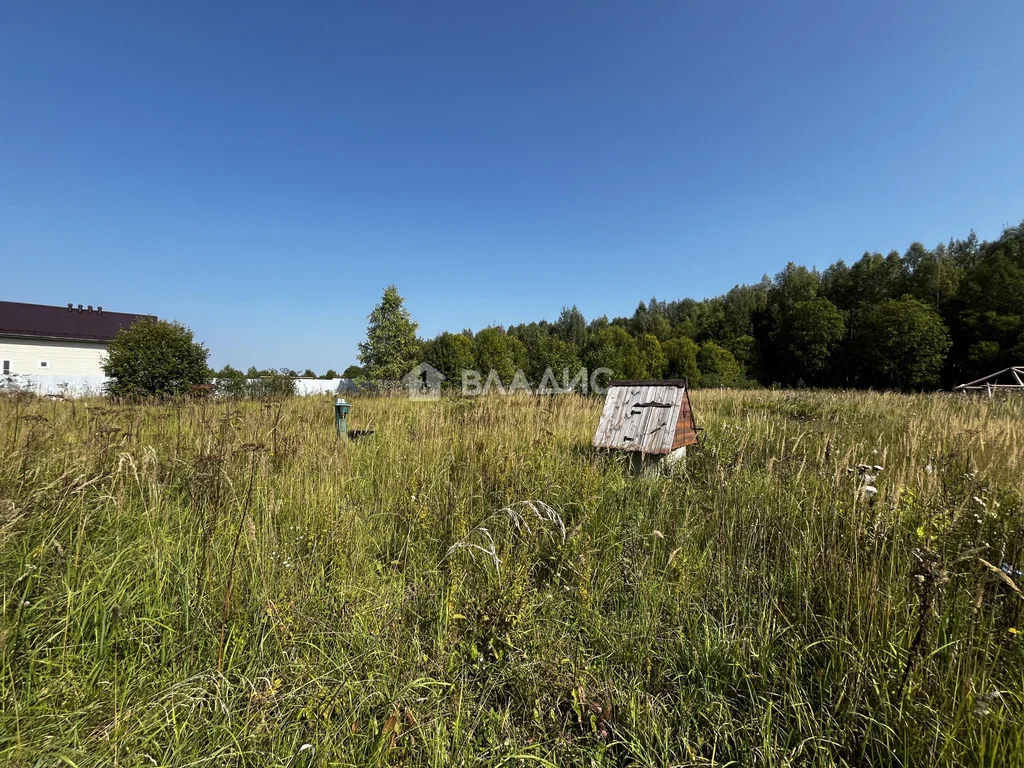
(618, 423)
(654, 429)
(686, 426)
(611, 418)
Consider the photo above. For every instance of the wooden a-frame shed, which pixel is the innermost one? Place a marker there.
(648, 417)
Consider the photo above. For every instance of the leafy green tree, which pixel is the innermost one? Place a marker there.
(812, 332)
(230, 382)
(985, 355)
(745, 350)
(596, 325)
(450, 354)
(493, 350)
(932, 276)
(875, 278)
(836, 285)
(272, 385)
(650, 319)
(740, 307)
(353, 372)
(554, 354)
(902, 344)
(536, 340)
(518, 353)
(531, 335)
(987, 315)
(613, 348)
(391, 347)
(256, 384)
(308, 374)
(681, 359)
(571, 327)
(330, 373)
(155, 358)
(718, 368)
(652, 357)
(699, 320)
(792, 285)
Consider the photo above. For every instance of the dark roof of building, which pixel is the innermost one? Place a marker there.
(68, 322)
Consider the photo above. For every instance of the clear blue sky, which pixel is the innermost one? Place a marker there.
(261, 171)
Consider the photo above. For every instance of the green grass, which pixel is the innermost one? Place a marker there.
(222, 584)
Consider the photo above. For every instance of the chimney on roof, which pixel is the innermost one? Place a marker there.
(90, 309)
(70, 307)
(79, 307)
(100, 310)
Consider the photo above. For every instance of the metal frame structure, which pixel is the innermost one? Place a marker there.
(991, 384)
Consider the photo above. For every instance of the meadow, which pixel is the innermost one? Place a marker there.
(828, 580)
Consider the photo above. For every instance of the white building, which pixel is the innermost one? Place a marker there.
(44, 345)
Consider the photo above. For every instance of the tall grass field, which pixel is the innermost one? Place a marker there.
(829, 579)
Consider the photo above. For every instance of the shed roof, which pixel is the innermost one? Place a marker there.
(647, 416)
(68, 322)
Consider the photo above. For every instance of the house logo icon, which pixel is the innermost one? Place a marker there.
(423, 382)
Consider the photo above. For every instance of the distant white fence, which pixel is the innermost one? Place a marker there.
(54, 384)
(304, 386)
(324, 386)
(84, 386)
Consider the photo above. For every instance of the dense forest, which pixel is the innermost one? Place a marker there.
(920, 320)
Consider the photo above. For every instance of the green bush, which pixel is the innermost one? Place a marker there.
(155, 358)
(232, 383)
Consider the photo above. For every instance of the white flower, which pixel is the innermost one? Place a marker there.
(878, 467)
(928, 468)
(869, 490)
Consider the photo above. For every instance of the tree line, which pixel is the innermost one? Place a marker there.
(919, 320)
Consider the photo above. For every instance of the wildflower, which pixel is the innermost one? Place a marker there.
(1013, 631)
(657, 534)
(928, 468)
(878, 467)
(869, 490)
(983, 704)
(979, 501)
